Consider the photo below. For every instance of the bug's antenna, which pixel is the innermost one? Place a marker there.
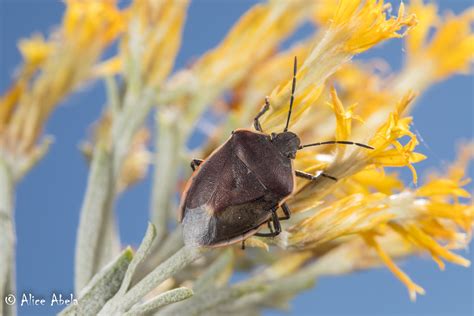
(292, 98)
(345, 142)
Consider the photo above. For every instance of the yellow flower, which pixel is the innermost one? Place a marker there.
(82, 26)
(427, 17)
(433, 57)
(347, 161)
(35, 51)
(152, 39)
(262, 79)
(343, 117)
(365, 24)
(354, 27)
(251, 39)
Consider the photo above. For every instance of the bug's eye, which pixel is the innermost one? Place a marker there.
(232, 132)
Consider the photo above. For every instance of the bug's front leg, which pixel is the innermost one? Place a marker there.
(264, 109)
(195, 163)
(308, 176)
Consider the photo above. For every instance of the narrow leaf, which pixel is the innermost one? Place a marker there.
(161, 300)
(102, 287)
(140, 255)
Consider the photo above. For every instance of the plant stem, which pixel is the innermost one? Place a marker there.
(167, 163)
(205, 301)
(167, 269)
(7, 238)
(98, 240)
(94, 215)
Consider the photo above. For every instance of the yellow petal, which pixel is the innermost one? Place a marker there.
(433, 246)
(413, 288)
(343, 117)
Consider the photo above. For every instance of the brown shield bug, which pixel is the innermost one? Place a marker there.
(241, 185)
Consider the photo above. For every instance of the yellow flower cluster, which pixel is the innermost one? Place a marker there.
(151, 41)
(365, 24)
(440, 47)
(430, 218)
(51, 71)
(355, 27)
(450, 50)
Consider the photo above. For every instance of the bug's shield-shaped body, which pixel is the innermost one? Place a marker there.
(233, 192)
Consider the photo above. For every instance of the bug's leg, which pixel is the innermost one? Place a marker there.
(286, 211)
(270, 228)
(264, 109)
(308, 176)
(276, 225)
(243, 244)
(195, 163)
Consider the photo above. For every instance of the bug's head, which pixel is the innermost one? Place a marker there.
(287, 143)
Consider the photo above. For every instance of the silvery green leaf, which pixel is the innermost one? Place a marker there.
(161, 300)
(140, 255)
(102, 287)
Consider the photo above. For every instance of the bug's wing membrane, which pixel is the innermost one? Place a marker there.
(272, 169)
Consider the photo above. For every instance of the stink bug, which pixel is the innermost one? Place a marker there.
(240, 186)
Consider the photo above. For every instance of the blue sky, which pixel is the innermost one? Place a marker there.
(49, 198)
